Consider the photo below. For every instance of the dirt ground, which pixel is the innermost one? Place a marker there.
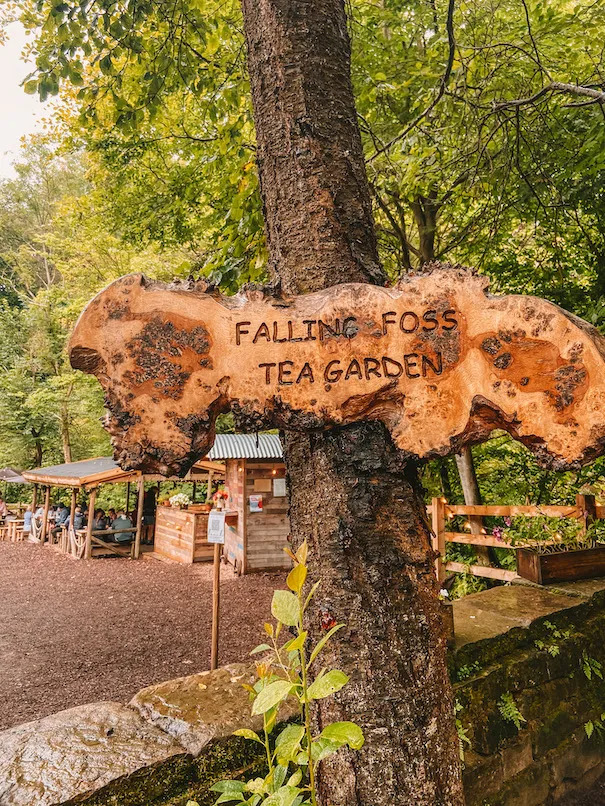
(594, 797)
(73, 632)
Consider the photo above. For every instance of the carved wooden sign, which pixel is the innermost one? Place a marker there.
(436, 358)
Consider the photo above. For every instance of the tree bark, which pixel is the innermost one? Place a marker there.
(352, 495)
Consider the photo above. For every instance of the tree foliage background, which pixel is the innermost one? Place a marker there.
(484, 130)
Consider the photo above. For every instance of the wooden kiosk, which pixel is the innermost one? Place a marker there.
(181, 535)
(257, 509)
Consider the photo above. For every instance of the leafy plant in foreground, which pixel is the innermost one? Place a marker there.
(293, 757)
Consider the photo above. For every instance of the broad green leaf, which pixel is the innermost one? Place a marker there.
(271, 695)
(295, 778)
(329, 683)
(321, 644)
(321, 748)
(288, 742)
(283, 797)
(296, 643)
(296, 578)
(228, 786)
(285, 608)
(260, 648)
(248, 734)
(345, 733)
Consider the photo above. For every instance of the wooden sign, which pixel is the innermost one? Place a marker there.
(436, 358)
(216, 527)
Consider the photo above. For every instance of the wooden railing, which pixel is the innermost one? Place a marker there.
(585, 510)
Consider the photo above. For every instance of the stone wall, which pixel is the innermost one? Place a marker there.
(542, 670)
(174, 740)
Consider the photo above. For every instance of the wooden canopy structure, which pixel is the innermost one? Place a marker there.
(88, 475)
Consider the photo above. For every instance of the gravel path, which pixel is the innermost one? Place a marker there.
(73, 632)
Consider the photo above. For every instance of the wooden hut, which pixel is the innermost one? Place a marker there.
(257, 525)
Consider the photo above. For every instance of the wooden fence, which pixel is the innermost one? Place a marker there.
(585, 510)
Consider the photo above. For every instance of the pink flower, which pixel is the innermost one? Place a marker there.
(508, 521)
(498, 532)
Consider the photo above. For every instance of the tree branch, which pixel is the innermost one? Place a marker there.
(442, 86)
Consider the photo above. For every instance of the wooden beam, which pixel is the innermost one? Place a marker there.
(216, 605)
(45, 515)
(127, 497)
(91, 515)
(140, 499)
(547, 510)
(72, 512)
(209, 488)
(482, 571)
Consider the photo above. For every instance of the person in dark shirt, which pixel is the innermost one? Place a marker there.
(61, 518)
(121, 522)
(79, 519)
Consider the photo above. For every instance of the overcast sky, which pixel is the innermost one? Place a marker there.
(19, 113)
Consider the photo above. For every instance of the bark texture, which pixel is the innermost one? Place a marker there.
(352, 496)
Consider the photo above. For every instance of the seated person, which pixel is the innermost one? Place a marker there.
(79, 519)
(3, 509)
(61, 518)
(27, 521)
(122, 521)
(100, 521)
(111, 516)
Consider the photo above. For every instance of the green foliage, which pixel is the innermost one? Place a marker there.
(293, 756)
(509, 710)
(551, 645)
(591, 666)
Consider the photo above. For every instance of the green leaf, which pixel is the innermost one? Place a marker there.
(345, 733)
(330, 683)
(321, 748)
(288, 742)
(260, 648)
(283, 797)
(296, 578)
(284, 608)
(320, 644)
(589, 728)
(248, 734)
(271, 695)
(296, 643)
(228, 786)
(30, 87)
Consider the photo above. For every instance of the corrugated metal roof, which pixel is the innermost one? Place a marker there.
(78, 470)
(246, 446)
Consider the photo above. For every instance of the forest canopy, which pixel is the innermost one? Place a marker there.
(483, 126)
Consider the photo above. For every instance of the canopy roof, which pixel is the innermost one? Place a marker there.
(11, 475)
(103, 470)
(246, 446)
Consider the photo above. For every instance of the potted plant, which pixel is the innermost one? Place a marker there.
(557, 549)
(180, 501)
(219, 498)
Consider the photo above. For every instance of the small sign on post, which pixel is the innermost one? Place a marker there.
(216, 535)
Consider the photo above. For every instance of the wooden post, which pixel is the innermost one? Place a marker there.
(244, 519)
(72, 511)
(91, 515)
(127, 497)
(209, 490)
(193, 492)
(587, 507)
(438, 510)
(45, 515)
(141, 496)
(216, 602)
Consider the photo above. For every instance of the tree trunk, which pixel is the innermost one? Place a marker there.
(352, 495)
(472, 497)
(65, 436)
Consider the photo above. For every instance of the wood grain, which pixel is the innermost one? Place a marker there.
(435, 358)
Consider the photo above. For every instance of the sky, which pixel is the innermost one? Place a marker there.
(20, 114)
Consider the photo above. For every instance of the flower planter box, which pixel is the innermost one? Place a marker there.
(562, 566)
